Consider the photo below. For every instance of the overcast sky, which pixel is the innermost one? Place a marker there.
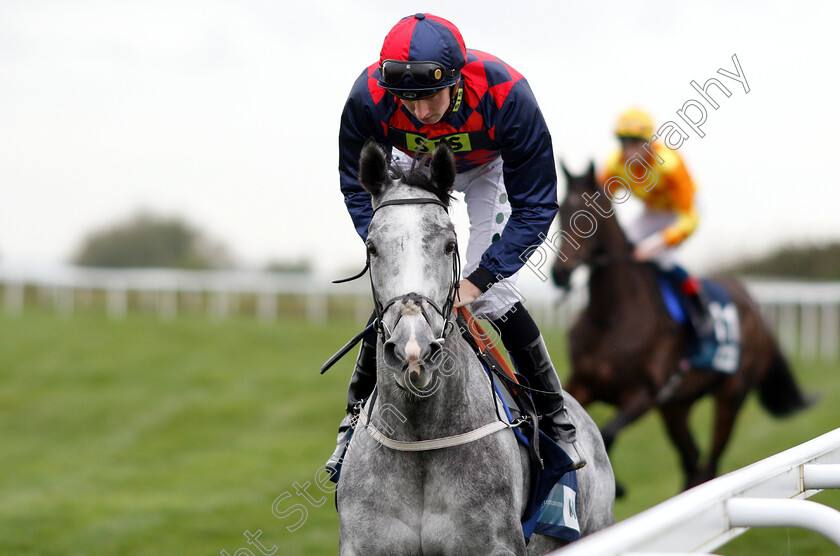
(226, 113)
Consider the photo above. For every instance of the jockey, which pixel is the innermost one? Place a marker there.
(427, 87)
(656, 175)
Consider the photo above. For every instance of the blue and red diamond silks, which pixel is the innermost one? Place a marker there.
(494, 114)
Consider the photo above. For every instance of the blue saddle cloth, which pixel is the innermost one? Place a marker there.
(552, 502)
(720, 349)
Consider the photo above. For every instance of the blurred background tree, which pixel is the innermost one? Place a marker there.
(148, 240)
(298, 266)
(820, 262)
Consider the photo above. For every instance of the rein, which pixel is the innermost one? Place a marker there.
(494, 364)
(600, 261)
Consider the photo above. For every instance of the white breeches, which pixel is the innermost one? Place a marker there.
(648, 223)
(488, 211)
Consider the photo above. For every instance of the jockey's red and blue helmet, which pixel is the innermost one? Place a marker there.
(421, 54)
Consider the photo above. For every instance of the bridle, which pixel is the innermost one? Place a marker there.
(604, 260)
(417, 299)
(595, 263)
(599, 259)
(414, 297)
(448, 316)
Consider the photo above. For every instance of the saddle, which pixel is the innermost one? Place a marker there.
(551, 508)
(719, 349)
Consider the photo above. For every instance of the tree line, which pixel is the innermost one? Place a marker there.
(794, 261)
(148, 240)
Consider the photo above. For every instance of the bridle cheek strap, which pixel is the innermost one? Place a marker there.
(418, 299)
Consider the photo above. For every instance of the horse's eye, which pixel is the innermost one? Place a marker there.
(371, 249)
(450, 247)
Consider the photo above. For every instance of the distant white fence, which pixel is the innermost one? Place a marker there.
(167, 292)
(804, 315)
(769, 493)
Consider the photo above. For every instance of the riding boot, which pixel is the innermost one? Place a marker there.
(534, 362)
(361, 386)
(698, 312)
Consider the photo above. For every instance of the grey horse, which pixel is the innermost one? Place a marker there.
(430, 468)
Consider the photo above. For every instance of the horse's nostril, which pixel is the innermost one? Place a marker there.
(392, 359)
(433, 357)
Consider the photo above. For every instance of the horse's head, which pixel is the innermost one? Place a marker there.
(579, 240)
(413, 258)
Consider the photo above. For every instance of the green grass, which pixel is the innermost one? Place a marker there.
(140, 436)
(647, 464)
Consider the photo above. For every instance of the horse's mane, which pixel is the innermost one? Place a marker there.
(418, 175)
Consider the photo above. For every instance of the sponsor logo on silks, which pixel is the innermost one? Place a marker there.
(459, 142)
(458, 99)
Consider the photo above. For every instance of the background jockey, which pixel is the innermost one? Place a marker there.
(656, 175)
(425, 88)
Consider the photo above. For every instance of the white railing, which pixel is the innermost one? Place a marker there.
(804, 315)
(168, 292)
(769, 493)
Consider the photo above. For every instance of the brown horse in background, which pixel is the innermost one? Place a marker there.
(627, 351)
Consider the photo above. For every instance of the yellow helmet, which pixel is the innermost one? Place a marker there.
(634, 123)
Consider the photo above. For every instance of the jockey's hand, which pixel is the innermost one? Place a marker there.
(467, 293)
(649, 247)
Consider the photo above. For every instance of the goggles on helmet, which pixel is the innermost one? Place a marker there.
(403, 75)
(631, 139)
(415, 95)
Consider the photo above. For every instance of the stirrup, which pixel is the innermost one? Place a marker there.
(559, 427)
(578, 460)
(702, 322)
(334, 462)
(571, 449)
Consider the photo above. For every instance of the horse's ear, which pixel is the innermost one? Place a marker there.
(443, 167)
(565, 171)
(590, 173)
(373, 169)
